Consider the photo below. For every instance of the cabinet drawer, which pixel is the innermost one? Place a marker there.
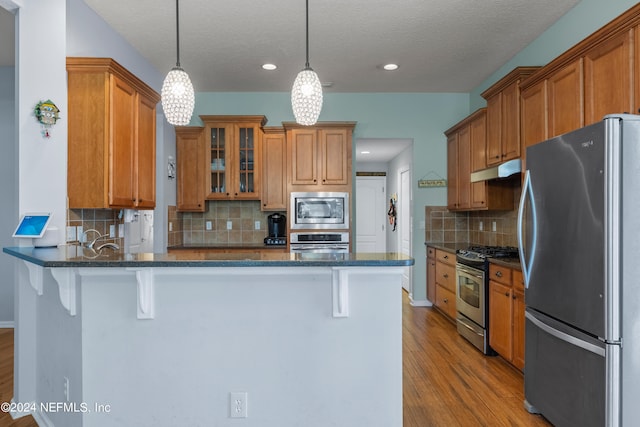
(445, 257)
(518, 280)
(446, 276)
(446, 301)
(500, 274)
(431, 252)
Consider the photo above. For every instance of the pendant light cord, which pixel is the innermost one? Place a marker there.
(306, 65)
(178, 34)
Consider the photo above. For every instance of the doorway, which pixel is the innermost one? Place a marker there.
(371, 213)
(405, 224)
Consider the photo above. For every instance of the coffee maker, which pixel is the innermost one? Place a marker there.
(277, 226)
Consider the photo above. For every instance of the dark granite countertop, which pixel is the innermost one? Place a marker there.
(450, 247)
(77, 256)
(507, 262)
(234, 246)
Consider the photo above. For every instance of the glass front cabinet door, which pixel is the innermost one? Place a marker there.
(234, 150)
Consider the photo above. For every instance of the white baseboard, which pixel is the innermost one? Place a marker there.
(420, 303)
(7, 324)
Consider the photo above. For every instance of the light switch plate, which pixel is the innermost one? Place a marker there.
(229, 225)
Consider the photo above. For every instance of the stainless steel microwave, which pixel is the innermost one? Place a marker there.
(319, 210)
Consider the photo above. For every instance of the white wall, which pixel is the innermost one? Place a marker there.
(8, 193)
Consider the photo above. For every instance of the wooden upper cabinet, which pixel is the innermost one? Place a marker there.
(466, 153)
(566, 99)
(533, 115)
(320, 156)
(234, 145)
(145, 155)
(503, 116)
(335, 156)
(190, 169)
(464, 168)
(494, 130)
(303, 153)
(478, 138)
(274, 169)
(111, 136)
(608, 84)
(452, 171)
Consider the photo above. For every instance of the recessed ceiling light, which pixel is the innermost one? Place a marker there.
(390, 67)
(269, 67)
(365, 152)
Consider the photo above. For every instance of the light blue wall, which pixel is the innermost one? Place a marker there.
(8, 207)
(581, 21)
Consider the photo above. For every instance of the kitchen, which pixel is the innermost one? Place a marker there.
(442, 109)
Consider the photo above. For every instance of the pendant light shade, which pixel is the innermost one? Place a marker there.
(306, 94)
(178, 98)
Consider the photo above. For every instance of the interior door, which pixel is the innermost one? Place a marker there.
(371, 213)
(404, 224)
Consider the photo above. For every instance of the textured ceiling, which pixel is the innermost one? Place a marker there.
(440, 45)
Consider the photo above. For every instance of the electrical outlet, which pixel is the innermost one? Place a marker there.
(112, 231)
(480, 226)
(71, 234)
(422, 225)
(65, 388)
(493, 226)
(80, 234)
(208, 225)
(229, 225)
(238, 404)
(257, 225)
(170, 226)
(120, 230)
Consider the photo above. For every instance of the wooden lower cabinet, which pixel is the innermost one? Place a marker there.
(445, 283)
(506, 313)
(431, 274)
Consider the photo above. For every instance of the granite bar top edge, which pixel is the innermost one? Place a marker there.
(60, 258)
(449, 247)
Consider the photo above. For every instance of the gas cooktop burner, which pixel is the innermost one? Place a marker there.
(479, 253)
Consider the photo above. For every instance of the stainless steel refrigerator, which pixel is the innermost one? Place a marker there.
(579, 241)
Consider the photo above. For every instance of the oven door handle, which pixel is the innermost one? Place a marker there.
(462, 271)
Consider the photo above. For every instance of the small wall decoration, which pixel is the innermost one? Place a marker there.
(391, 213)
(435, 181)
(47, 114)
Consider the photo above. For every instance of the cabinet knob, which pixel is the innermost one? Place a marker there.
(446, 257)
(506, 294)
(446, 300)
(498, 273)
(445, 275)
(513, 296)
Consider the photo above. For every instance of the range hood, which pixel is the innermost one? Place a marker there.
(503, 170)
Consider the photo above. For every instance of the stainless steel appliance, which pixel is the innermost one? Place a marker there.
(472, 292)
(319, 210)
(319, 242)
(277, 228)
(578, 228)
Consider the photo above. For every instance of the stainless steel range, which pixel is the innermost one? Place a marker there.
(472, 292)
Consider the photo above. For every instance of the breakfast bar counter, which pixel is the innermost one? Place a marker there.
(166, 339)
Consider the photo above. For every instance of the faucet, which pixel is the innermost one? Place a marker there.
(92, 243)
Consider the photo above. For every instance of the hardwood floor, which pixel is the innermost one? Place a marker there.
(446, 381)
(6, 381)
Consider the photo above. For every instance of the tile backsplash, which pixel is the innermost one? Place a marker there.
(97, 219)
(242, 214)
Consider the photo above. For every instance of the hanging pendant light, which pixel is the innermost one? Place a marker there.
(306, 95)
(178, 98)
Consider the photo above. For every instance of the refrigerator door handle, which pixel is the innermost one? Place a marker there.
(527, 192)
(564, 336)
